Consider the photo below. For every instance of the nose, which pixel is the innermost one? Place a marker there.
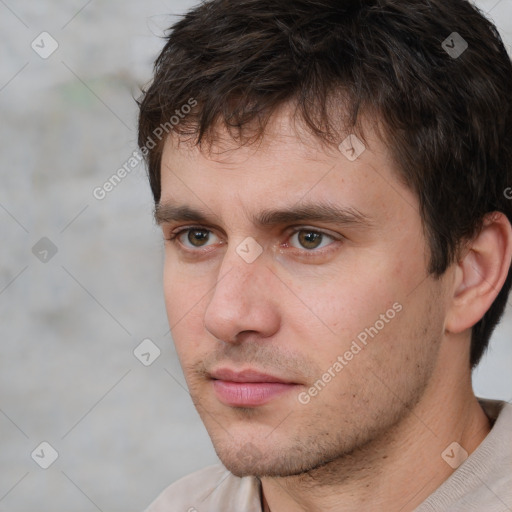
(244, 300)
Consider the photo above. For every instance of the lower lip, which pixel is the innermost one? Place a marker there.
(245, 394)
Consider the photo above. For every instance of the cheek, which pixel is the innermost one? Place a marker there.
(185, 303)
(343, 306)
(182, 289)
(173, 289)
(359, 315)
(376, 359)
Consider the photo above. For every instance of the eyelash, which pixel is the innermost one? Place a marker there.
(173, 238)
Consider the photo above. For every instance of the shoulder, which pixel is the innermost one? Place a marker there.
(210, 489)
(483, 482)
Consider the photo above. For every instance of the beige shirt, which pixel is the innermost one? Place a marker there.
(483, 482)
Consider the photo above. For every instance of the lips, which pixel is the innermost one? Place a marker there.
(245, 376)
(248, 388)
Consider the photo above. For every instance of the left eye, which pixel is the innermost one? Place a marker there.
(310, 239)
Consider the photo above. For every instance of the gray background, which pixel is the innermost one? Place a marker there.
(70, 324)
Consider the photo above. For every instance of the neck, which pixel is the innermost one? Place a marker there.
(378, 476)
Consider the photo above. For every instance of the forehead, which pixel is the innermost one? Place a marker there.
(282, 133)
(287, 165)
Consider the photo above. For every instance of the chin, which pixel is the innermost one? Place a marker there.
(250, 461)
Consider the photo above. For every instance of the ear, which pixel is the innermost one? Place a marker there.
(480, 273)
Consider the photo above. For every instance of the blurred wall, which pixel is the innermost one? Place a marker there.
(80, 272)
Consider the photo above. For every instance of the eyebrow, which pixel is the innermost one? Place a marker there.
(316, 212)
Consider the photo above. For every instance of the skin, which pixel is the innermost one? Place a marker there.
(403, 398)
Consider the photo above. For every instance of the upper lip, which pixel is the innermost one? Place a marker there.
(245, 376)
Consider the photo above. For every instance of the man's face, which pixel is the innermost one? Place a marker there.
(338, 313)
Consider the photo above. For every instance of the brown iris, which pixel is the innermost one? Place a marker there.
(197, 236)
(309, 239)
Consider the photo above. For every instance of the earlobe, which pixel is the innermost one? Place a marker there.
(480, 273)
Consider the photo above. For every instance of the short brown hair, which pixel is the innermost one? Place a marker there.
(447, 115)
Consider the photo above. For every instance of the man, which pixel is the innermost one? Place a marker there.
(331, 180)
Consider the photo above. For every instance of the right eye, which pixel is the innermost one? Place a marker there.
(192, 237)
